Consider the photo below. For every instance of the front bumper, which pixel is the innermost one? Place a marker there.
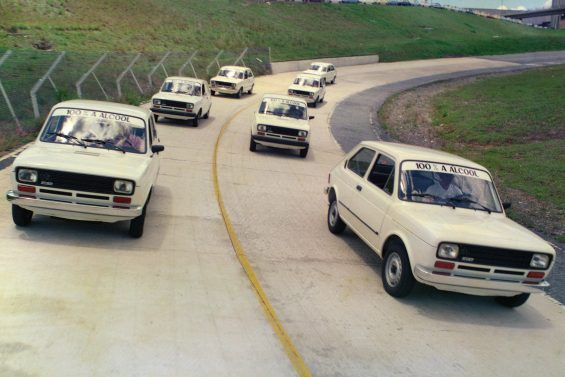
(478, 284)
(175, 114)
(225, 90)
(280, 142)
(309, 100)
(74, 211)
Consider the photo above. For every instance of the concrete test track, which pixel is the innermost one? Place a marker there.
(83, 299)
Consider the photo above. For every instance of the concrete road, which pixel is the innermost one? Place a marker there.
(82, 299)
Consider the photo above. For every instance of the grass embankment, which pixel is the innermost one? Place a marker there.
(293, 31)
(514, 125)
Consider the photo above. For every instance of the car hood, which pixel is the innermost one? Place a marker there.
(226, 79)
(178, 97)
(303, 88)
(434, 224)
(275, 120)
(76, 159)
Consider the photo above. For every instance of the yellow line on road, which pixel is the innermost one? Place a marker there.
(290, 349)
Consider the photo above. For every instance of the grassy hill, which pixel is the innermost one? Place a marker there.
(293, 31)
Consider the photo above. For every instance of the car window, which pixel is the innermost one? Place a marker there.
(283, 108)
(250, 74)
(382, 174)
(359, 164)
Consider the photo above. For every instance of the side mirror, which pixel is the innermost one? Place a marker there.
(311, 117)
(157, 148)
(506, 205)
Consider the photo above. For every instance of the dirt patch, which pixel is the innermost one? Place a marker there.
(407, 117)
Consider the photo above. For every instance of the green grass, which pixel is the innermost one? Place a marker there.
(513, 124)
(293, 31)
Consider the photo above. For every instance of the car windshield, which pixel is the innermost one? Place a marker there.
(96, 129)
(283, 107)
(231, 73)
(445, 184)
(306, 81)
(190, 88)
(315, 67)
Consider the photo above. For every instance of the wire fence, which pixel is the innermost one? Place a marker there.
(32, 81)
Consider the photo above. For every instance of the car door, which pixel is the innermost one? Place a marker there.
(323, 88)
(350, 201)
(250, 79)
(376, 197)
(333, 73)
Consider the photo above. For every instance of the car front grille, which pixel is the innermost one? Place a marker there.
(491, 256)
(75, 181)
(282, 131)
(300, 93)
(223, 84)
(169, 103)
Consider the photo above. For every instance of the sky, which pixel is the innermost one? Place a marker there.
(493, 4)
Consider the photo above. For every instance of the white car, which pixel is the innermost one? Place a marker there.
(435, 218)
(93, 161)
(233, 80)
(325, 70)
(281, 122)
(182, 98)
(311, 88)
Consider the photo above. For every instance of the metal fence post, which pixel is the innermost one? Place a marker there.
(160, 64)
(189, 61)
(240, 58)
(5, 95)
(214, 61)
(91, 71)
(121, 76)
(39, 83)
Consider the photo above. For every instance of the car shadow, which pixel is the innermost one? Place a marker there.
(279, 152)
(202, 123)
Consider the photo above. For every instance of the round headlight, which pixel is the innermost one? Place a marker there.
(448, 251)
(27, 175)
(302, 133)
(539, 261)
(189, 106)
(123, 187)
(233, 86)
(290, 91)
(156, 101)
(261, 127)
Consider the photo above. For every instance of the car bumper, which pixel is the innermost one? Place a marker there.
(223, 89)
(175, 114)
(74, 211)
(279, 142)
(308, 99)
(477, 284)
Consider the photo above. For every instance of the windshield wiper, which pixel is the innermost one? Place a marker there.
(439, 200)
(464, 199)
(105, 143)
(68, 137)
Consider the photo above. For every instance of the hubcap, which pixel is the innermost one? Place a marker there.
(393, 269)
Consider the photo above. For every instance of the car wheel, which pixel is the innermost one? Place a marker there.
(136, 225)
(252, 145)
(513, 301)
(239, 93)
(213, 92)
(322, 100)
(397, 273)
(304, 152)
(207, 115)
(335, 223)
(195, 120)
(333, 81)
(250, 90)
(316, 102)
(21, 216)
(156, 117)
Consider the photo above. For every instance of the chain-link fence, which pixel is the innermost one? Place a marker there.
(32, 81)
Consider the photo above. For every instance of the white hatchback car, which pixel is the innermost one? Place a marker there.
(182, 98)
(233, 80)
(325, 70)
(311, 88)
(281, 122)
(435, 218)
(93, 161)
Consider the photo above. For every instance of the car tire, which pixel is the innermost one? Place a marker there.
(304, 152)
(239, 93)
(252, 145)
(21, 216)
(213, 92)
(315, 104)
(156, 117)
(333, 81)
(250, 91)
(335, 223)
(195, 120)
(513, 301)
(322, 100)
(136, 225)
(397, 276)
(207, 115)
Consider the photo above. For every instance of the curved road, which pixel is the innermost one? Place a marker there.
(82, 299)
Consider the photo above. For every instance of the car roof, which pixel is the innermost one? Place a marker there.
(309, 76)
(412, 152)
(234, 67)
(320, 63)
(187, 78)
(112, 107)
(280, 96)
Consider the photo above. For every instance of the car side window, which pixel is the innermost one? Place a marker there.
(359, 163)
(382, 174)
(203, 90)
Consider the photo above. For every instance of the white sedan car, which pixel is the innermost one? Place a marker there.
(311, 88)
(435, 218)
(325, 70)
(233, 79)
(93, 161)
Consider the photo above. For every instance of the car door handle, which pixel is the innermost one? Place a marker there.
(359, 188)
